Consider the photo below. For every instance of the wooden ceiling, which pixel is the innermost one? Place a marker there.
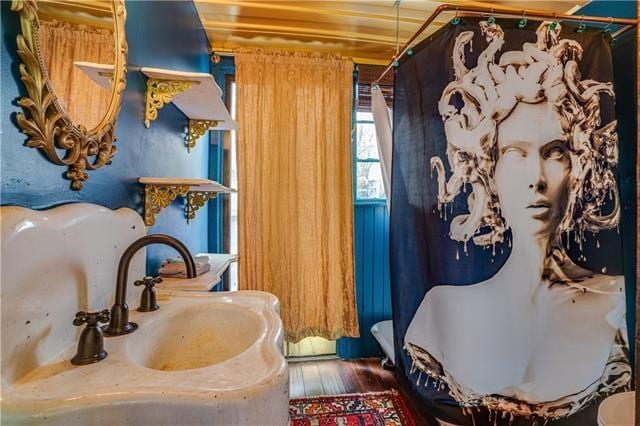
(364, 30)
(94, 13)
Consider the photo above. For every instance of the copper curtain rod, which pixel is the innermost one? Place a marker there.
(503, 11)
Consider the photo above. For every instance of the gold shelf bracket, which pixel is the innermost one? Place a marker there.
(159, 93)
(197, 128)
(195, 200)
(157, 197)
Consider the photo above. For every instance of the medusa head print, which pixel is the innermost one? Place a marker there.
(474, 105)
(528, 148)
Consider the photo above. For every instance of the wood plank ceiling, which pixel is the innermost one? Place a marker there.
(94, 13)
(364, 30)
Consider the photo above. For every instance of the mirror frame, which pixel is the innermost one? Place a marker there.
(48, 126)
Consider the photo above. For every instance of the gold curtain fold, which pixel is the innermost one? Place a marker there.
(61, 45)
(295, 187)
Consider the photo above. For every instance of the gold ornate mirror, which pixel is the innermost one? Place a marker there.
(73, 67)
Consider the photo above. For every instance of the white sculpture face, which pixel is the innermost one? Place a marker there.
(532, 169)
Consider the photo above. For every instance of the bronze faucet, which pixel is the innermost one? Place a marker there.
(119, 320)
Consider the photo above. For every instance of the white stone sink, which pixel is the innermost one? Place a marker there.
(196, 337)
(202, 358)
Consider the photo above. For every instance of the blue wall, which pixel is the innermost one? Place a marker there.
(373, 290)
(163, 34)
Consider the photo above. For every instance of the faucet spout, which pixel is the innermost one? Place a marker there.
(119, 319)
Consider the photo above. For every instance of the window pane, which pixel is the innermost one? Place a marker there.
(367, 143)
(369, 183)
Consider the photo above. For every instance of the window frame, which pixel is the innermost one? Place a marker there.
(356, 160)
(218, 209)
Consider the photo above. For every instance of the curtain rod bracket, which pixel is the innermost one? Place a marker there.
(581, 25)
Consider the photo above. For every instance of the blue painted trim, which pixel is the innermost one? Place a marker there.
(354, 134)
(370, 202)
(220, 71)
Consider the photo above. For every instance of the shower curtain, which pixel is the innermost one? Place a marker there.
(506, 256)
(383, 119)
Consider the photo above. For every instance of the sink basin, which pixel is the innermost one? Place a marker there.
(202, 358)
(195, 338)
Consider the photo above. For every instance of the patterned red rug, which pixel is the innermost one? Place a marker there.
(364, 409)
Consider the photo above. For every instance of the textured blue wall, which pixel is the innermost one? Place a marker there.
(162, 34)
(373, 289)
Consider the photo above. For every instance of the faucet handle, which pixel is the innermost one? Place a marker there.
(91, 318)
(148, 300)
(148, 282)
(90, 345)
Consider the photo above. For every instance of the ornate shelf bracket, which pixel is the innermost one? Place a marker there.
(159, 93)
(195, 200)
(157, 197)
(160, 192)
(203, 106)
(197, 128)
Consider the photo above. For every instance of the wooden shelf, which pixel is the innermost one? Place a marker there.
(219, 262)
(102, 74)
(160, 192)
(195, 94)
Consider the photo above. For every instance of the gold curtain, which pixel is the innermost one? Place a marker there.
(295, 188)
(61, 45)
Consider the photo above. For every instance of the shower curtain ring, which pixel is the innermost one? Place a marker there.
(456, 19)
(581, 25)
(523, 20)
(607, 30)
(492, 19)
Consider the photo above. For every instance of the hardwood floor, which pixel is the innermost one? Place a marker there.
(333, 377)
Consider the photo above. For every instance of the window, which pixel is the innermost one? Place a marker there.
(369, 185)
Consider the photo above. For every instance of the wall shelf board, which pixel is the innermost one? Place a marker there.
(102, 74)
(219, 262)
(195, 184)
(195, 94)
(160, 192)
